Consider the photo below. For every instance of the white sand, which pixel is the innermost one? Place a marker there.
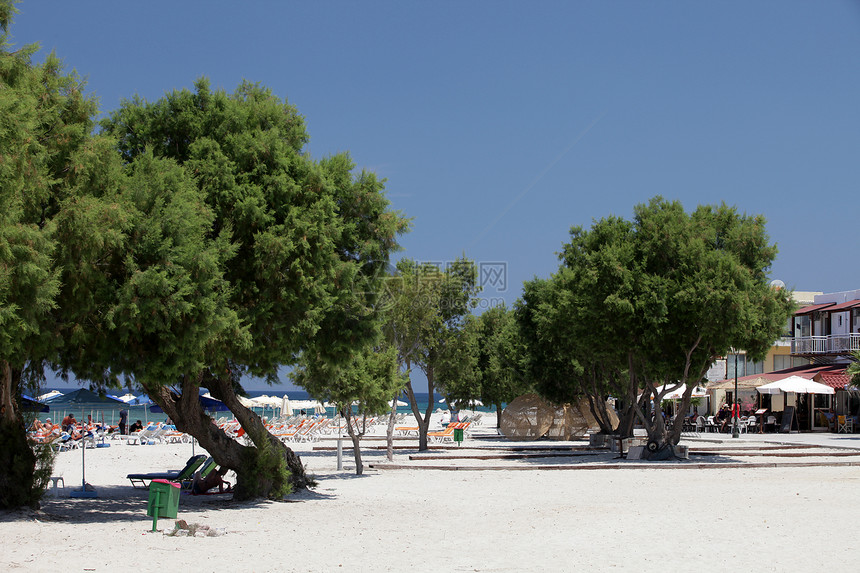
(748, 519)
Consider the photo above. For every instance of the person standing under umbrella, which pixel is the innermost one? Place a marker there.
(123, 422)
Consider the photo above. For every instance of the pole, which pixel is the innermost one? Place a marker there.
(736, 432)
(339, 447)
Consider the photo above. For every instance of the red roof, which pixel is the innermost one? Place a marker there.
(845, 305)
(833, 379)
(813, 308)
(832, 375)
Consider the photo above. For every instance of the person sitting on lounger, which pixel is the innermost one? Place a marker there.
(136, 427)
(215, 479)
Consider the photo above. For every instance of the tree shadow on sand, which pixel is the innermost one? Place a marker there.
(116, 504)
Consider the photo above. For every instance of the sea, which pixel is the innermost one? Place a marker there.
(109, 413)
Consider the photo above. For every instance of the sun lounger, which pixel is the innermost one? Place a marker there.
(447, 435)
(171, 475)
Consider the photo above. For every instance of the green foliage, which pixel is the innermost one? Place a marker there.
(853, 370)
(426, 303)
(20, 484)
(501, 357)
(458, 372)
(370, 379)
(652, 301)
(264, 469)
(311, 237)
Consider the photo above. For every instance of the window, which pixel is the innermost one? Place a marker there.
(745, 368)
(781, 361)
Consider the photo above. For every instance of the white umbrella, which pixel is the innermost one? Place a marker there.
(267, 401)
(401, 403)
(678, 393)
(795, 384)
(49, 395)
(286, 408)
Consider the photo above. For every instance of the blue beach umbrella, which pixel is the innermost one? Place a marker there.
(32, 405)
(209, 404)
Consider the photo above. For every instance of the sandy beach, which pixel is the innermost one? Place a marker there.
(759, 503)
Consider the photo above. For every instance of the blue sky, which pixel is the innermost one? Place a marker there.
(499, 125)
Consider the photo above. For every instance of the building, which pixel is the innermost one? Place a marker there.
(821, 336)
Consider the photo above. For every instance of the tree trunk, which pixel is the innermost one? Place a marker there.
(17, 479)
(498, 415)
(423, 421)
(222, 389)
(356, 448)
(256, 474)
(389, 432)
(597, 405)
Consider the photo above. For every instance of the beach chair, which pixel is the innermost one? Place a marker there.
(208, 466)
(406, 430)
(447, 435)
(185, 473)
(143, 436)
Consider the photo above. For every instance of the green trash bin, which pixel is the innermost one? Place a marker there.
(163, 500)
(458, 435)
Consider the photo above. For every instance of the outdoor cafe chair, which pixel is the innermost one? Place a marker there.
(711, 425)
(771, 421)
(845, 425)
(751, 425)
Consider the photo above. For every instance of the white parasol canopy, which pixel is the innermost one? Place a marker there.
(678, 393)
(267, 401)
(796, 384)
(286, 408)
(49, 395)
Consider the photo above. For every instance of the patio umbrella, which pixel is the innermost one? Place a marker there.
(678, 393)
(83, 396)
(209, 404)
(795, 384)
(286, 408)
(142, 400)
(49, 395)
(31, 405)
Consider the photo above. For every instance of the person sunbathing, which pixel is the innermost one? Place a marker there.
(201, 485)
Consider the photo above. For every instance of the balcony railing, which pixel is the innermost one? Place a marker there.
(833, 344)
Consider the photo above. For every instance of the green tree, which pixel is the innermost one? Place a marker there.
(501, 354)
(573, 351)
(360, 387)
(308, 241)
(662, 297)
(45, 122)
(424, 306)
(458, 373)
